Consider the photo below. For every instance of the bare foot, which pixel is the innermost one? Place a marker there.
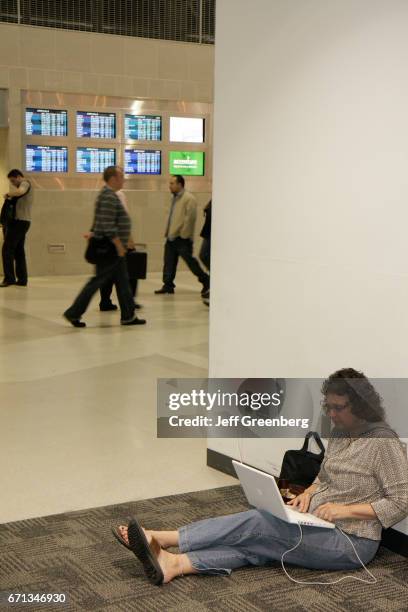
(172, 565)
(123, 530)
(159, 536)
(165, 539)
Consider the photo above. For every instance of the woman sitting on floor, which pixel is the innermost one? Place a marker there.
(362, 487)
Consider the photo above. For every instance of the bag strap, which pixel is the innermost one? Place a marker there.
(315, 435)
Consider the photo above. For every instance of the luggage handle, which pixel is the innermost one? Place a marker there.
(315, 435)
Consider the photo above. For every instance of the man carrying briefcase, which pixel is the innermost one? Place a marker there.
(136, 265)
(136, 261)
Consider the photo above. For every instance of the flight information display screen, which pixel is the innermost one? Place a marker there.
(143, 127)
(95, 125)
(187, 129)
(46, 159)
(46, 122)
(139, 161)
(90, 160)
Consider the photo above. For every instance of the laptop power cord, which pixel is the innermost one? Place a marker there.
(373, 581)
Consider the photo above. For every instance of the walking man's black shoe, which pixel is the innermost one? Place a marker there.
(135, 321)
(74, 322)
(6, 284)
(108, 307)
(164, 290)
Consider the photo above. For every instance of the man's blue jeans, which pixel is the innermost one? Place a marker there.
(219, 545)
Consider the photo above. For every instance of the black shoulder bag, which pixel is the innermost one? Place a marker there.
(302, 466)
(8, 210)
(99, 249)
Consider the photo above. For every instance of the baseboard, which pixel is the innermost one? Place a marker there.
(220, 462)
(394, 540)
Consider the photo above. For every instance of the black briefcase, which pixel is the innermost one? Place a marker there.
(302, 466)
(137, 264)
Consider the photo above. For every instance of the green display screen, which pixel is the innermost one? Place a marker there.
(188, 163)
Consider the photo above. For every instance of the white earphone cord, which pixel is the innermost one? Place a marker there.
(373, 581)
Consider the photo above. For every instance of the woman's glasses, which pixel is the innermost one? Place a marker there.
(328, 407)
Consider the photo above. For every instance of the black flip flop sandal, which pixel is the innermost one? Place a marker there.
(119, 538)
(140, 547)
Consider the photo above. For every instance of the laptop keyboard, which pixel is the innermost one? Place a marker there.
(305, 518)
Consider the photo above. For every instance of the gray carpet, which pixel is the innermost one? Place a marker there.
(76, 554)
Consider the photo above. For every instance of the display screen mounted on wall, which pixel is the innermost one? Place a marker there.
(41, 158)
(143, 127)
(186, 129)
(46, 122)
(138, 161)
(91, 160)
(187, 163)
(95, 125)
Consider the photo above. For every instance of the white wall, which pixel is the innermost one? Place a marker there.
(310, 250)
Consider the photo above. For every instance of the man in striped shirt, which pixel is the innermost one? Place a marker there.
(112, 224)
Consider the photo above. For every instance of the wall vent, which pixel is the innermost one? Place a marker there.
(56, 249)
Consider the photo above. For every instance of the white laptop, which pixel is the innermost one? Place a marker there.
(262, 492)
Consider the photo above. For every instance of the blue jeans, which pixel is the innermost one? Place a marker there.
(219, 545)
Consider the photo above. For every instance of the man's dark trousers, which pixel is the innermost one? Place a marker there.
(13, 251)
(106, 292)
(181, 247)
(106, 270)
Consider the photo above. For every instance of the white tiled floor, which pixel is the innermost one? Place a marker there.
(78, 407)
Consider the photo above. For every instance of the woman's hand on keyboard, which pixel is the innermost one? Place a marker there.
(332, 512)
(301, 502)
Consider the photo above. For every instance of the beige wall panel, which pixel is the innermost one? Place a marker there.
(107, 54)
(3, 161)
(9, 45)
(73, 51)
(18, 78)
(173, 59)
(141, 57)
(37, 47)
(200, 62)
(36, 78)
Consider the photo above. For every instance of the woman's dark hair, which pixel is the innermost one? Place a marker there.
(15, 173)
(365, 402)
